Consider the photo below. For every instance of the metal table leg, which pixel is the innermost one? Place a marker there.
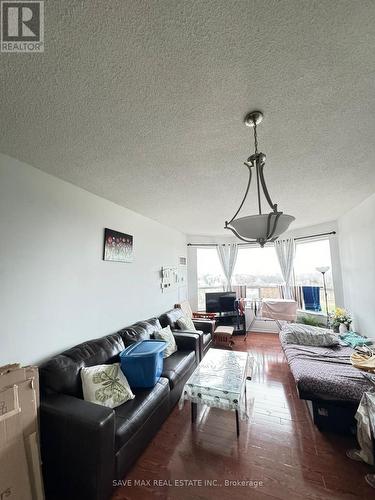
(193, 412)
(249, 329)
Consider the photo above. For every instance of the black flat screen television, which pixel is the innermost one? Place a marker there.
(219, 302)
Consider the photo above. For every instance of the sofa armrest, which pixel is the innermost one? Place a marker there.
(195, 333)
(77, 443)
(187, 340)
(207, 326)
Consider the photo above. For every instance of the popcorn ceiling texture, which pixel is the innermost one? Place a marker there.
(142, 102)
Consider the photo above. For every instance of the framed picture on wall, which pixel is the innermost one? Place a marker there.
(118, 247)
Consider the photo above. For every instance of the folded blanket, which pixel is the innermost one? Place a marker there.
(363, 361)
(354, 340)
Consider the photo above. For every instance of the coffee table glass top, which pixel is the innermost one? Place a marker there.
(220, 380)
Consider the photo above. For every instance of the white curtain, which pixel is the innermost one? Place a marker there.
(285, 251)
(228, 255)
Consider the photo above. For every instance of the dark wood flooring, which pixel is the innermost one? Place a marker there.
(279, 446)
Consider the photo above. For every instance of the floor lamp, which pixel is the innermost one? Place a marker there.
(323, 270)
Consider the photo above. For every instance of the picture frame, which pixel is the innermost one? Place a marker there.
(118, 247)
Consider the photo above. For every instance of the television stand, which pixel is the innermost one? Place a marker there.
(232, 319)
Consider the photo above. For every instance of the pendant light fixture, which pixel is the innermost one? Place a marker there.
(259, 228)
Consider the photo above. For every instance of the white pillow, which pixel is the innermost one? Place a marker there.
(185, 323)
(167, 335)
(105, 385)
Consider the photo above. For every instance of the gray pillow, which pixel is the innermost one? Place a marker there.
(185, 323)
(299, 334)
(167, 335)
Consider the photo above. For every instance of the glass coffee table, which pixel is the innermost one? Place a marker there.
(219, 381)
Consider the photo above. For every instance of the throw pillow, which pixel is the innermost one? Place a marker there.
(167, 335)
(185, 323)
(105, 385)
(299, 334)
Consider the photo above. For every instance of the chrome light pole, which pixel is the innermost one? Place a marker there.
(323, 270)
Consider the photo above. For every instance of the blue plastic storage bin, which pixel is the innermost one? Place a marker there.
(142, 362)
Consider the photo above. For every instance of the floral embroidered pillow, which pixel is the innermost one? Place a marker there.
(105, 385)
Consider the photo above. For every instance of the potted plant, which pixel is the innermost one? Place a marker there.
(310, 320)
(341, 320)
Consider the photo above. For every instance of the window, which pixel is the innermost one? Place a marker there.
(210, 274)
(258, 269)
(309, 256)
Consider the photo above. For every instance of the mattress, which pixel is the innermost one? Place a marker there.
(325, 372)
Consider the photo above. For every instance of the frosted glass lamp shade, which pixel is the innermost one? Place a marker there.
(254, 227)
(322, 269)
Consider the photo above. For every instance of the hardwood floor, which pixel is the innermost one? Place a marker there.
(279, 447)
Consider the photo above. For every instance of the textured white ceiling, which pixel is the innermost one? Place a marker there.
(142, 102)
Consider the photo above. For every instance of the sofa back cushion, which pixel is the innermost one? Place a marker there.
(143, 330)
(170, 318)
(62, 372)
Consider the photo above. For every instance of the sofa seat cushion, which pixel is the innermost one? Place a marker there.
(177, 365)
(131, 415)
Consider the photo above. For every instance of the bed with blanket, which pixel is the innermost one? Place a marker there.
(326, 379)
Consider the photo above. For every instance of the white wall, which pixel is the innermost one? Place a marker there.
(357, 250)
(55, 289)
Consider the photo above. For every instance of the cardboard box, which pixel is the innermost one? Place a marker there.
(24, 412)
(14, 475)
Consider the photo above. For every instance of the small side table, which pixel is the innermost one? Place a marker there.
(223, 336)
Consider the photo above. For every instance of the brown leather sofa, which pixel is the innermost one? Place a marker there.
(87, 447)
(204, 328)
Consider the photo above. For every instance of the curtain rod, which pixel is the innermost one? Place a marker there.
(314, 236)
(240, 244)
